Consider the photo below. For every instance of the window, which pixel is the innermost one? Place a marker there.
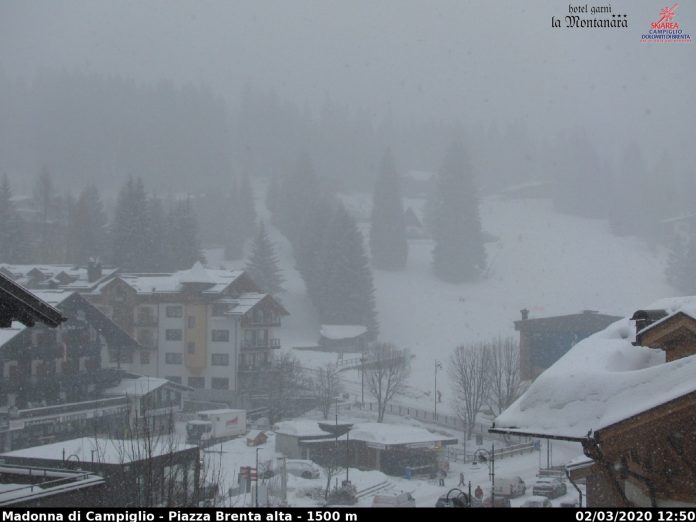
(221, 336)
(191, 347)
(144, 357)
(145, 337)
(173, 358)
(219, 310)
(174, 311)
(191, 323)
(174, 378)
(220, 383)
(196, 382)
(173, 335)
(221, 359)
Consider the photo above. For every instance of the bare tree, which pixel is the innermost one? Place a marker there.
(388, 369)
(469, 370)
(328, 387)
(504, 369)
(285, 387)
(151, 467)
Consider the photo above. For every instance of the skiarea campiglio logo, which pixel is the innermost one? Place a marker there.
(666, 28)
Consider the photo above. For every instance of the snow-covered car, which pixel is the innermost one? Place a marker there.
(549, 487)
(536, 502)
(401, 500)
(303, 468)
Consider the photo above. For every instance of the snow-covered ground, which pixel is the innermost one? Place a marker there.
(547, 262)
(550, 263)
(231, 455)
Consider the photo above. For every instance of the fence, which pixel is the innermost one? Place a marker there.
(448, 421)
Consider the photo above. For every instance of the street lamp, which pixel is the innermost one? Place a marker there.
(490, 457)
(437, 365)
(362, 380)
(257, 478)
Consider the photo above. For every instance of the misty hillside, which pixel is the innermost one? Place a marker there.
(550, 263)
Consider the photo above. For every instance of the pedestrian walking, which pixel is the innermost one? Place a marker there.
(461, 480)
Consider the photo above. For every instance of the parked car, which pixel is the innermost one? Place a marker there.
(549, 487)
(537, 502)
(303, 468)
(401, 500)
(509, 487)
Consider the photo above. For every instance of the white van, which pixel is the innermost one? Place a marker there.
(509, 487)
(303, 468)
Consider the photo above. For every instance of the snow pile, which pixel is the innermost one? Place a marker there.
(601, 381)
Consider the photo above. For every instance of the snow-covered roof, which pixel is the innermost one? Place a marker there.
(395, 434)
(197, 274)
(107, 451)
(602, 380)
(341, 331)
(300, 428)
(244, 303)
(218, 280)
(71, 277)
(52, 297)
(7, 334)
(138, 387)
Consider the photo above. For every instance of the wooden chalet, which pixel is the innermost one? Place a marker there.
(629, 404)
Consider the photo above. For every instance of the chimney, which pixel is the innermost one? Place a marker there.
(645, 318)
(94, 270)
(525, 314)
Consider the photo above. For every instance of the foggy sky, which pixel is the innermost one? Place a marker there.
(479, 61)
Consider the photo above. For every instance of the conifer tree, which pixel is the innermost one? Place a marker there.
(234, 229)
(299, 193)
(184, 245)
(246, 207)
(459, 253)
(129, 227)
(346, 292)
(13, 243)
(157, 257)
(87, 227)
(388, 242)
(46, 202)
(262, 265)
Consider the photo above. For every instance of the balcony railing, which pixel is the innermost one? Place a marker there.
(268, 367)
(260, 344)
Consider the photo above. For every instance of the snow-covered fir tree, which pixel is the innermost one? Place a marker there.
(388, 242)
(184, 245)
(262, 265)
(347, 293)
(235, 235)
(157, 258)
(246, 208)
(299, 193)
(87, 226)
(128, 230)
(12, 240)
(459, 253)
